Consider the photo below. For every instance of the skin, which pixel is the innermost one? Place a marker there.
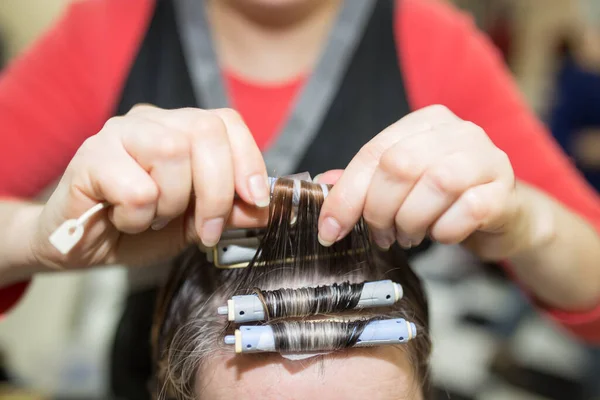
(378, 374)
(428, 174)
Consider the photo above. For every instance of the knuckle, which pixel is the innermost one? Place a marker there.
(399, 163)
(207, 124)
(172, 146)
(142, 108)
(89, 146)
(113, 124)
(446, 179)
(370, 153)
(503, 158)
(136, 195)
(475, 208)
(473, 129)
(438, 109)
(229, 113)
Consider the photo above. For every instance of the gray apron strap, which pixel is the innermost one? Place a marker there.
(316, 96)
(197, 45)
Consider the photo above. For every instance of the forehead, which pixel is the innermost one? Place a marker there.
(380, 373)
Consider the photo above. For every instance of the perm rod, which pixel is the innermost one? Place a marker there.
(249, 308)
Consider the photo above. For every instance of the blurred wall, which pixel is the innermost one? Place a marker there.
(539, 26)
(21, 21)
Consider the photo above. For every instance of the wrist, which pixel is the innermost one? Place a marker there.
(526, 230)
(536, 222)
(557, 261)
(19, 260)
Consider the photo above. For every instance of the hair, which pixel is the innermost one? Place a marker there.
(293, 273)
(307, 301)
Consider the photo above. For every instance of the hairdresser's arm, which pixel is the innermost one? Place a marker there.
(556, 253)
(17, 224)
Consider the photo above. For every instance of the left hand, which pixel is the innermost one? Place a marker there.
(430, 173)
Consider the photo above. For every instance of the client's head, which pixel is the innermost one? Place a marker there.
(310, 303)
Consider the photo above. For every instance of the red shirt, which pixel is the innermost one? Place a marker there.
(66, 86)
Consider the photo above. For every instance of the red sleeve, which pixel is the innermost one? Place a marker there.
(445, 60)
(61, 91)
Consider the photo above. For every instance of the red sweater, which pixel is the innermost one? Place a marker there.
(67, 85)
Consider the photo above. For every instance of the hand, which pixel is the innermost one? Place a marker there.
(430, 173)
(170, 176)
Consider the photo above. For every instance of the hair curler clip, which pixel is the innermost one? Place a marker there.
(234, 253)
(260, 339)
(235, 249)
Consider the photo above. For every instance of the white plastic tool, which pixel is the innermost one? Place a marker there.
(66, 236)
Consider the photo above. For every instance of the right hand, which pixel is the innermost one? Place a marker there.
(170, 177)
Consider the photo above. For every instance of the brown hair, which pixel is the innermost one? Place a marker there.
(187, 329)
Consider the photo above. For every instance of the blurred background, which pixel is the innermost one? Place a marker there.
(488, 343)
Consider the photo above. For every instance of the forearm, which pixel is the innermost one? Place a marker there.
(559, 255)
(17, 227)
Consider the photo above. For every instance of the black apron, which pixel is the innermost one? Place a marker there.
(369, 97)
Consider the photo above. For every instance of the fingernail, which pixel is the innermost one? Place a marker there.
(259, 189)
(329, 232)
(211, 231)
(159, 223)
(316, 178)
(403, 240)
(383, 238)
(418, 241)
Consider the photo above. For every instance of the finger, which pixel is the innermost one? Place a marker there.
(244, 215)
(144, 109)
(251, 181)
(212, 176)
(122, 182)
(344, 204)
(330, 177)
(476, 208)
(440, 186)
(165, 154)
(389, 186)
